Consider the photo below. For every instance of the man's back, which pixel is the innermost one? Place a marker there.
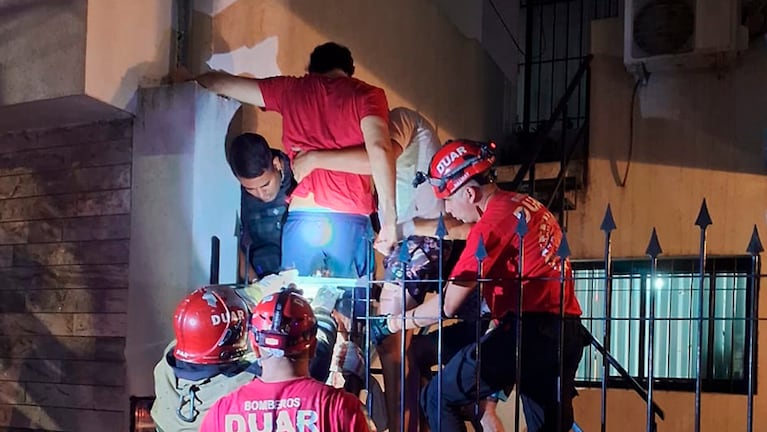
(323, 113)
(497, 229)
(300, 405)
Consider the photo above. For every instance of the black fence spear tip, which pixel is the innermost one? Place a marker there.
(704, 219)
(564, 248)
(522, 225)
(237, 222)
(755, 244)
(653, 248)
(441, 228)
(481, 252)
(608, 223)
(404, 253)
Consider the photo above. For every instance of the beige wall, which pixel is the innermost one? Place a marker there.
(104, 49)
(128, 45)
(697, 135)
(42, 49)
(407, 47)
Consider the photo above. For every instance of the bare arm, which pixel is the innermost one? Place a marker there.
(243, 89)
(375, 132)
(352, 160)
(456, 230)
(428, 312)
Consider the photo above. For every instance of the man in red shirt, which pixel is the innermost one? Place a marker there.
(284, 397)
(460, 173)
(329, 211)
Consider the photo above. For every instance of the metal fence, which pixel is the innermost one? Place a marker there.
(711, 326)
(720, 308)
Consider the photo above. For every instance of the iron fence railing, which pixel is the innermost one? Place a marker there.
(699, 276)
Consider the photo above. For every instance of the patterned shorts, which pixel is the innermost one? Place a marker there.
(424, 264)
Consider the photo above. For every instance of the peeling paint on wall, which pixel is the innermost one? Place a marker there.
(258, 61)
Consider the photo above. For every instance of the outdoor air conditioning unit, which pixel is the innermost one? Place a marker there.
(662, 35)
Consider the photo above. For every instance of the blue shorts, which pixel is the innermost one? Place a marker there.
(327, 244)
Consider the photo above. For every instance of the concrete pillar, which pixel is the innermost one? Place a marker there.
(183, 192)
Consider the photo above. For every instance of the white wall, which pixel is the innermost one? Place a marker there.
(183, 192)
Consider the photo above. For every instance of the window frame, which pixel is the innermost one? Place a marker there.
(640, 268)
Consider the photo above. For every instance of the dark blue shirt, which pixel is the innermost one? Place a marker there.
(262, 222)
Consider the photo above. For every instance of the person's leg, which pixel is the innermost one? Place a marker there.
(459, 384)
(540, 371)
(423, 264)
(391, 364)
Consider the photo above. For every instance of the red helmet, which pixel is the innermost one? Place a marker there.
(284, 321)
(211, 326)
(455, 163)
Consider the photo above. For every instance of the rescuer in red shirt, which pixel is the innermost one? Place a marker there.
(327, 109)
(284, 398)
(460, 173)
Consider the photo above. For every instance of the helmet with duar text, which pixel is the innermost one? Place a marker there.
(455, 163)
(284, 322)
(211, 326)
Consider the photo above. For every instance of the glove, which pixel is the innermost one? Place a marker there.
(270, 284)
(326, 298)
(347, 358)
(379, 330)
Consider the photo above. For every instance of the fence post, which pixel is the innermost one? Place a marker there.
(215, 257)
(608, 226)
(754, 249)
(521, 231)
(440, 233)
(564, 254)
(653, 250)
(404, 259)
(480, 254)
(703, 221)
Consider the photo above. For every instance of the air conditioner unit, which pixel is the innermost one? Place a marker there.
(662, 35)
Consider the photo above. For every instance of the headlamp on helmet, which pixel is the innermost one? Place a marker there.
(455, 163)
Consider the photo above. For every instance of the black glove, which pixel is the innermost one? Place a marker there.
(379, 330)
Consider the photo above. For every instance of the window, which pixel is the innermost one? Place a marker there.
(727, 300)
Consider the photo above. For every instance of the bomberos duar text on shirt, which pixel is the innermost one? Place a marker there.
(299, 405)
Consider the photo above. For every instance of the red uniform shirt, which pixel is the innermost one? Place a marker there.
(299, 405)
(322, 113)
(497, 228)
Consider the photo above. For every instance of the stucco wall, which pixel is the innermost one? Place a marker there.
(409, 48)
(42, 49)
(128, 45)
(698, 134)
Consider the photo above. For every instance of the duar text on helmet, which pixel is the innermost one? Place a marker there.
(225, 317)
(448, 159)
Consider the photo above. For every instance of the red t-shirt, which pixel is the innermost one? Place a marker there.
(497, 228)
(299, 405)
(322, 113)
